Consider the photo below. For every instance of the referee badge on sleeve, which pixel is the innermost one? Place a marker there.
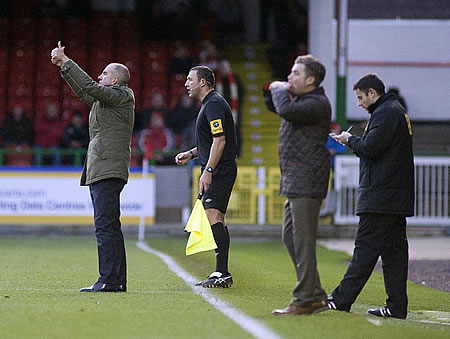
(216, 126)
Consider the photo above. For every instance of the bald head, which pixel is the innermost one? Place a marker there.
(122, 73)
(115, 74)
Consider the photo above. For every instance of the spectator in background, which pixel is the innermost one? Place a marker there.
(75, 136)
(48, 132)
(182, 62)
(17, 128)
(182, 118)
(400, 99)
(333, 146)
(159, 139)
(209, 55)
(229, 85)
(158, 106)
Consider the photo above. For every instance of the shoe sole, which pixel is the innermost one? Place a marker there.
(215, 286)
(322, 309)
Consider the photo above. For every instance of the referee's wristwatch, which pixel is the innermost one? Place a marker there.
(209, 169)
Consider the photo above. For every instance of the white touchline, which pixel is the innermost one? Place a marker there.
(251, 325)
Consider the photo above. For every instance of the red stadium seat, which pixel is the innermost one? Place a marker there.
(22, 59)
(75, 29)
(152, 80)
(48, 91)
(19, 155)
(152, 52)
(21, 29)
(20, 90)
(41, 105)
(71, 104)
(49, 29)
(25, 102)
(102, 35)
(67, 91)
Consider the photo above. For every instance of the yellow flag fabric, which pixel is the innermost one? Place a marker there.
(201, 238)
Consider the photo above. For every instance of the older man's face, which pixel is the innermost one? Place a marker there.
(108, 77)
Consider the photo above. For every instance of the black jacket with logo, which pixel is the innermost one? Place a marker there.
(386, 175)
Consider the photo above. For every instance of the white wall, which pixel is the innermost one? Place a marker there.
(406, 43)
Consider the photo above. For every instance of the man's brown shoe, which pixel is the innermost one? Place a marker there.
(293, 309)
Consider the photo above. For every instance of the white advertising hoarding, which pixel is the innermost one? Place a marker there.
(40, 197)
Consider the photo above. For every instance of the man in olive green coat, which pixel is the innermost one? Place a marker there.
(107, 164)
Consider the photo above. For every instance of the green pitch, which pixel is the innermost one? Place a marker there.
(40, 278)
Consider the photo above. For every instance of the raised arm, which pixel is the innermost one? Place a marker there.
(59, 58)
(84, 85)
(308, 110)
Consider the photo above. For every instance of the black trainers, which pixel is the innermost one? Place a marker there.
(384, 312)
(217, 279)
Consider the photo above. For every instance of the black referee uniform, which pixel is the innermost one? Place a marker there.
(215, 120)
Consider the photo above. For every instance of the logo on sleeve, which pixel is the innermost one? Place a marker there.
(409, 123)
(216, 126)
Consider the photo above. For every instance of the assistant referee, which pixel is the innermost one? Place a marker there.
(216, 151)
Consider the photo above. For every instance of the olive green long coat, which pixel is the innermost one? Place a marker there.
(111, 121)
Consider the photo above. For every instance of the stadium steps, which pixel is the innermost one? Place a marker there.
(259, 127)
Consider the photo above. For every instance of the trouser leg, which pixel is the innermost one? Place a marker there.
(299, 235)
(105, 195)
(395, 268)
(369, 242)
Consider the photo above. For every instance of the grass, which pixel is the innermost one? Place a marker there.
(40, 278)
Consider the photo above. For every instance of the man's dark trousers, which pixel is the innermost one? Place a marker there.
(105, 195)
(378, 235)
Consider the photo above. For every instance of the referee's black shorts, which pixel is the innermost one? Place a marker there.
(223, 178)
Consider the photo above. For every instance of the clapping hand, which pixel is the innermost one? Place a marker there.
(58, 57)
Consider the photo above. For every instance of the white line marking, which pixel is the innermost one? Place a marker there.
(249, 324)
(431, 322)
(376, 322)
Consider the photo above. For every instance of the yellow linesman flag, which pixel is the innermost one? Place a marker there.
(201, 238)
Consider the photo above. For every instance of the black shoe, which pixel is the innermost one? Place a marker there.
(101, 287)
(384, 312)
(217, 279)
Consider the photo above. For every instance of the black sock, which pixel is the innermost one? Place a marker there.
(222, 240)
(228, 235)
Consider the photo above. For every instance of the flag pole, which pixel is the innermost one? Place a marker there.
(144, 198)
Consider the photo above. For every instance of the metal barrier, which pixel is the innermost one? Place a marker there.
(255, 198)
(431, 185)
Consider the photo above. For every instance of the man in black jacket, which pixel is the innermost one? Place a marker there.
(305, 113)
(385, 199)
